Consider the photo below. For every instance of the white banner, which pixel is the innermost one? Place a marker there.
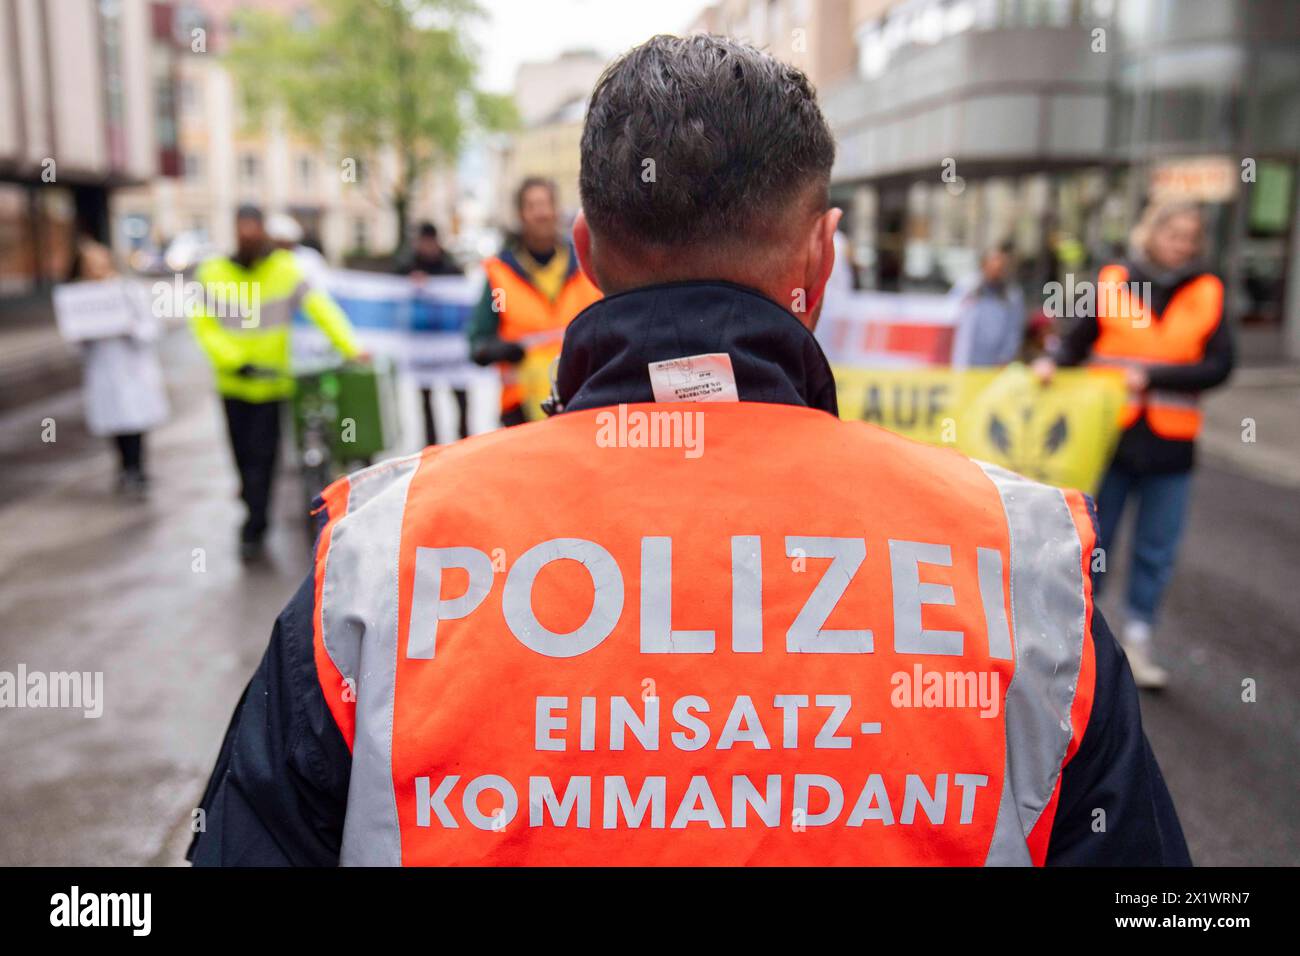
(888, 329)
(421, 326)
(103, 310)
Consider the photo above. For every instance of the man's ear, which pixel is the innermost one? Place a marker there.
(582, 246)
(821, 256)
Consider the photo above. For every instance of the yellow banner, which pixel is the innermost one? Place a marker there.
(1063, 433)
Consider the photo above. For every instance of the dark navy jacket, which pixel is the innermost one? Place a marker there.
(278, 793)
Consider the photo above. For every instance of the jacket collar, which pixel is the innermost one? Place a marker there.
(510, 256)
(608, 347)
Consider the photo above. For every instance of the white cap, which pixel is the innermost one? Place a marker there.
(281, 227)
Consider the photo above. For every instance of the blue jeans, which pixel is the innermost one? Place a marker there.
(1161, 514)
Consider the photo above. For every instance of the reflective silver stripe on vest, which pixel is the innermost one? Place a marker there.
(1172, 399)
(1116, 361)
(359, 628)
(1048, 618)
(275, 314)
(544, 337)
(342, 645)
(1155, 396)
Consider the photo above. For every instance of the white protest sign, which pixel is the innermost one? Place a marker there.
(100, 310)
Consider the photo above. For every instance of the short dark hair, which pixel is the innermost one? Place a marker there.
(427, 230)
(248, 211)
(532, 182)
(735, 136)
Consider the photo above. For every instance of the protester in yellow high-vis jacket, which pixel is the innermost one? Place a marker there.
(243, 324)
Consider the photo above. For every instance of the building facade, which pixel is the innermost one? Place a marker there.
(1048, 124)
(551, 97)
(227, 159)
(813, 35)
(80, 118)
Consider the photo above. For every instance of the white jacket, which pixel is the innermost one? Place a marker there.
(123, 384)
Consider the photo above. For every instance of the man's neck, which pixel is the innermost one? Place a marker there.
(250, 256)
(540, 250)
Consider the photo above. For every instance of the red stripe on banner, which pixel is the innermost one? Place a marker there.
(930, 342)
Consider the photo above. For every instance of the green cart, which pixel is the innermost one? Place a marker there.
(343, 416)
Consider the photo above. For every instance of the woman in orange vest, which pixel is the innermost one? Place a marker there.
(1159, 318)
(534, 290)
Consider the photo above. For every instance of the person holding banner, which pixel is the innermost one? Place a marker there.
(534, 290)
(123, 382)
(429, 258)
(1159, 319)
(242, 323)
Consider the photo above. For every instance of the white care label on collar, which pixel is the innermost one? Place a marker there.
(694, 378)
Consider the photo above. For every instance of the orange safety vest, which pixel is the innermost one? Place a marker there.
(686, 657)
(1130, 335)
(531, 319)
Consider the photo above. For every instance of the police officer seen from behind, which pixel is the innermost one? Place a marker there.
(860, 649)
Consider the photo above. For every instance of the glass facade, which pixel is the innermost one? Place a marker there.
(1203, 103)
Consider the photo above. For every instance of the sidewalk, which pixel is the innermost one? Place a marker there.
(149, 594)
(1269, 400)
(34, 361)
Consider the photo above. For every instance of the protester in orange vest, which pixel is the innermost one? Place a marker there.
(534, 289)
(1159, 318)
(724, 626)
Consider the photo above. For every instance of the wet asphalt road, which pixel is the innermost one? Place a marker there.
(1232, 615)
(153, 595)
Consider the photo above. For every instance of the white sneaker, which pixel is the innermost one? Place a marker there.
(1146, 672)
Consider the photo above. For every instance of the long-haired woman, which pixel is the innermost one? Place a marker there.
(1160, 319)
